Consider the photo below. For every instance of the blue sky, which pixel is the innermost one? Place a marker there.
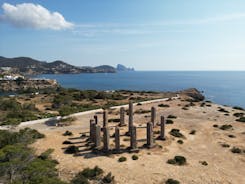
(147, 35)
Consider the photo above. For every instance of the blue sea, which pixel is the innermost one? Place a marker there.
(225, 88)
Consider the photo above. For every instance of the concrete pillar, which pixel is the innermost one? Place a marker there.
(149, 133)
(105, 118)
(106, 139)
(117, 139)
(122, 116)
(91, 131)
(153, 116)
(130, 115)
(162, 131)
(97, 136)
(133, 138)
(96, 119)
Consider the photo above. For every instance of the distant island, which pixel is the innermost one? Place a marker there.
(29, 66)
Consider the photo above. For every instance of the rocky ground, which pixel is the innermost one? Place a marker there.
(208, 149)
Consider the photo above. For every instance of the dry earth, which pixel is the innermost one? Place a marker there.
(224, 167)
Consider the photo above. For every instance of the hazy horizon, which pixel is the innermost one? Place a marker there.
(161, 36)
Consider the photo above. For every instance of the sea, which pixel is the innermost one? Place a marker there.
(222, 87)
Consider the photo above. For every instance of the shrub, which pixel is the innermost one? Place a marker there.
(71, 150)
(231, 136)
(176, 133)
(193, 132)
(122, 159)
(45, 155)
(163, 105)
(223, 110)
(241, 119)
(67, 142)
(115, 120)
(171, 161)
(236, 150)
(215, 126)
(177, 160)
(185, 108)
(172, 181)
(224, 145)
(238, 108)
(180, 141)
(225, 127)
(142, 111)
(108, 178)
(238, 115)
(135, 157)
(92, 173)
(180, 160)
(172, 117)
(67, 133)
(204, 163)
(169, 121)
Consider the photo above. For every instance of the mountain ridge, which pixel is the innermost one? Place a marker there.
(30, 66)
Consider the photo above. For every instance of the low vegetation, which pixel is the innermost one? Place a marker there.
(163, 105)
(172, 181)
(236, 150)
(241, 119)
(177, 160)
(122, 159)
(94, 175)
(176, 133)
(172, 117)
(19, 164)
(135, 157)
(169, 121)
(225, 127)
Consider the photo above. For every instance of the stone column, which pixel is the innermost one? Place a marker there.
(106, 139)
(149, 133)
(117, 139)
(130, 115)
(153, 116)
(97, 136)
(91, 131)
(133, 138)
(105, 119)
(162, 131)
(122, 116)
(96, 119)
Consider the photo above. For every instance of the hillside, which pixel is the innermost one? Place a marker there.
(29, 66)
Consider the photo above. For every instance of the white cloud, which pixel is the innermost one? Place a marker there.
(33, 16)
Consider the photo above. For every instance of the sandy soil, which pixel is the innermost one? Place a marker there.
(224, 167)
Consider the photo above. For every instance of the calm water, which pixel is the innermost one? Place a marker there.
(226, 88)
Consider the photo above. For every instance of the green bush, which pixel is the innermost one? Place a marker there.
(176, 133)
(67, 133)
(236, 150)
(163, 105)
(71, 150)
(108, 178)
(241, 119)
(172, 181)
(193, 132)
(180, 141)
(238, 115)
(204, 163)
(225, 127)
(172, 117)
(169, 121)
(177, 160)
(92, 173)
(135, 157)
(122, 159)
(238, 108)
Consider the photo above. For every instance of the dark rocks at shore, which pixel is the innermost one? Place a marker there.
(194, 94)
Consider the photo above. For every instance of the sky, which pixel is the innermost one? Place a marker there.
(144, 34)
